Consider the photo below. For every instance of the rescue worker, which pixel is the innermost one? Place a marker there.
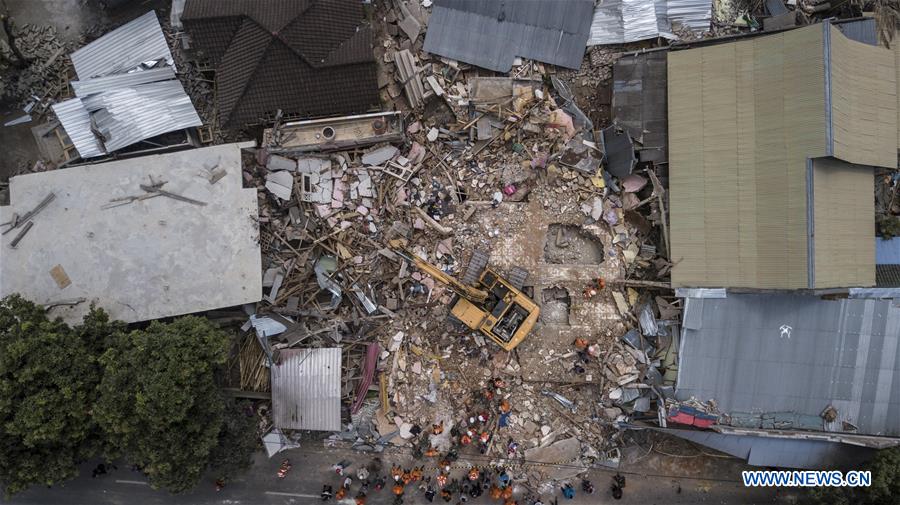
(505, 407)
(361, 499)
(341, 493)
(398, 489)
(438, 428)
(416, 474)
(327, 492)
(441, 480)
(429, 494)
(495, 493)
(587, 487)
(340, 467)
(474, 474)
(568, 491)
(507, 492)
(284, 468)
(396, 473)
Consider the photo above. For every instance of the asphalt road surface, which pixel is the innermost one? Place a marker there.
(645, 485)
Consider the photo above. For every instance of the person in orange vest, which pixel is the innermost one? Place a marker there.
(417, 474)
(484, 437)
(431, 452)
(398, 489)
(341, 493)
(474, 474)
(396, 473)
(360, 499)
(441, 480)
(505, 407)
(465, 439)
(495, 492)
(406, 477)
(506, 494)
(438, 428)
(509, 501)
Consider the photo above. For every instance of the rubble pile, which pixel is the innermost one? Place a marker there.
(480, 155)
(46, 78)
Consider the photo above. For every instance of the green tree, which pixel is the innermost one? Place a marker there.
(159, 405)
(237, 441)
(48, 378)
(885, 488)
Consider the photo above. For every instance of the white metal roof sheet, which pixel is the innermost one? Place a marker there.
(306, 390)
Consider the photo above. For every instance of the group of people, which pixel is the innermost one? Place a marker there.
(472, 485)
(476, 429)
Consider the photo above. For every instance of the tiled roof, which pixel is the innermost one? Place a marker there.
(887, 276)
(306, 57)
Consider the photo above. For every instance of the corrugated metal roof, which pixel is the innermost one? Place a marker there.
(639, 101)
(860, 30)
(863, 92)
(306, 390)
(76, 122)
(621, 21)
(778, 452)
(99, 84)
(887, 252)
(128, 115)
(492, 34)
(123, 49)
(694, 14)
(790, 353)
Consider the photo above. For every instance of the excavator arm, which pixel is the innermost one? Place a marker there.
(468, 292)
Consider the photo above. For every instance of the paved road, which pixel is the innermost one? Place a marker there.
(312, 468)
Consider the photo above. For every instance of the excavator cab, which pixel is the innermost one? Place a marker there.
(506, 316)
(485, 300)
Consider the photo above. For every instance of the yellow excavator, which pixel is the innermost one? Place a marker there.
(485, 301)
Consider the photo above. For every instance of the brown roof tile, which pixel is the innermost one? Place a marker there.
(305, 57)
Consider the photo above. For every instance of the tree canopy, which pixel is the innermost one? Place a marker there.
(149, 395)
(48, 378)
(159, 404)
(885, 488)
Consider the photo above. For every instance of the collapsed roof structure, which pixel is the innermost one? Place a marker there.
(779, 129)
(143, 238)
(126, 92)
(307, 58)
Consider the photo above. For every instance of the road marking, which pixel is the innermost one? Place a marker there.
(139, 483)
(276, 493)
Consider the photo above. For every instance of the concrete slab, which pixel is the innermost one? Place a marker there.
(148, 259)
